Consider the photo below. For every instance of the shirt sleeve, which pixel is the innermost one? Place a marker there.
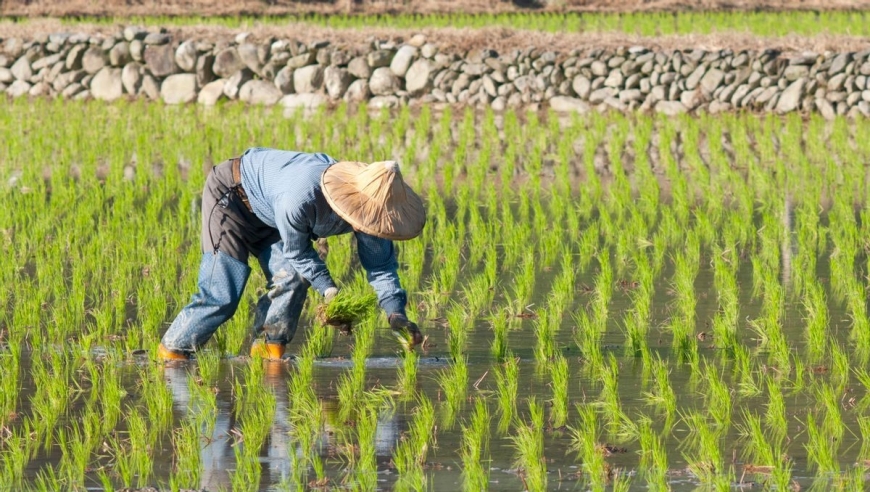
(378, 257)
(294, 225)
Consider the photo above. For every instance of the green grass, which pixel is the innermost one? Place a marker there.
(803, 23)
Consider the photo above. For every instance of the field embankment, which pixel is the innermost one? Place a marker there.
(533, 71)
(284, 7)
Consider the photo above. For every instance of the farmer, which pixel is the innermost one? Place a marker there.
(273, 204)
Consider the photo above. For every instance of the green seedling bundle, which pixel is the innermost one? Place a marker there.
(691, 290)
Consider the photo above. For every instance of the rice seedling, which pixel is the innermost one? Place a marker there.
(662, 396)
(559, 382)
(705, 458)
(346, 308)
(507, 383)
(475, 446)
(653, 456)
(412, 451)
(453, 383)
(529, 444)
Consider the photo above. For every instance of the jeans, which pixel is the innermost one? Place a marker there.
(230, 234)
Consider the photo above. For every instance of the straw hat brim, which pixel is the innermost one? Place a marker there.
(374, 199)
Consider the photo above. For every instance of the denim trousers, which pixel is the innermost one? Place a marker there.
(230, 234)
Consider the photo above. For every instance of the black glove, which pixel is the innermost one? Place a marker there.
(406, 331)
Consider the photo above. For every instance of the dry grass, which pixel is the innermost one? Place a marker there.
(459, 40)
(278, 7)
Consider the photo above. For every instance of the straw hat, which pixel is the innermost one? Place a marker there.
(374, 199)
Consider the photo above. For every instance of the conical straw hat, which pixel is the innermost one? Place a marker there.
(374, 199)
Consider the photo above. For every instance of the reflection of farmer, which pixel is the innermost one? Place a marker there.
(273, 204)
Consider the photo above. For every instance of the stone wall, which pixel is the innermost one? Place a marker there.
(388, 73)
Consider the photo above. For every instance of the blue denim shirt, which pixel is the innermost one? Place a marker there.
(284, 190)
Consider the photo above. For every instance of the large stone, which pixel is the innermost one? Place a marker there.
(185, 56)
(74, 57)
(305, 101)
(65, 79)
(45, 61)
(137, 50)
(711, 81)
(6, 76)
(380, 102)
(94, 60)
(119, 55)
(383, 82)
(39, 89)
(564, 104)
(670, 108)
(22, 70)
(308, 79)
(260, 92)
(157, 38)
(615, 79)
(284, 80)
(107, 84)
(359, 68)
(582, 86)
(72, 90)
(379, 58)
(150, 88)
(690, 99)
(179, 88)
(302, 59)
(790, 98)
(204, 73)
(598, 96)
(227, 62)
(250, 57)
(417, 40)
(336, 80)
(358, 91)
(131, 77)
(14, 47)
(402, 60)
(18, 88)
(418, 78)
(794, 72)
(236, 81)
(211, 93)
(839, 64)
(160, 60)
(134, 32)
(695, 77)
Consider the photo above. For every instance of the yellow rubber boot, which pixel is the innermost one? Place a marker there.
(164, 353)
(268, 351)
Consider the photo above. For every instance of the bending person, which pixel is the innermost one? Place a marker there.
(273, 204)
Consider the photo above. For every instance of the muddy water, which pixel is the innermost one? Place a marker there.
(443, 466)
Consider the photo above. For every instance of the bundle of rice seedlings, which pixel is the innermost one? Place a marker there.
(346, 308)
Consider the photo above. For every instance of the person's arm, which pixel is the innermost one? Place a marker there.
(294, 225)
(378, 257)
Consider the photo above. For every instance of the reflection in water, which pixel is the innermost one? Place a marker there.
(216, 455)
(217, 459)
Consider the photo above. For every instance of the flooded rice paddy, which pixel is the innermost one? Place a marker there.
(611, 303)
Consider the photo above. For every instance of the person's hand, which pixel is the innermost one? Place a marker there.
(406, 331)
(329, 294)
